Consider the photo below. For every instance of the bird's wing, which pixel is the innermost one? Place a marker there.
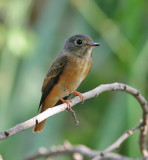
(53, 76)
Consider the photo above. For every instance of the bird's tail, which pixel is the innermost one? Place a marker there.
(39, 127)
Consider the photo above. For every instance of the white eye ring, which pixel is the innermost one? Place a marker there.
(78, 42)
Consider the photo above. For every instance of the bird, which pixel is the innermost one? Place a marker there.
(66, 73)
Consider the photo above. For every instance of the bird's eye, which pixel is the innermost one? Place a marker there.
(79, 42)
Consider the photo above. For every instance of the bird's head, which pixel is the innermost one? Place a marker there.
(80, 45)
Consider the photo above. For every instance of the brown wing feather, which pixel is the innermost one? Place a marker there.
(53, 76)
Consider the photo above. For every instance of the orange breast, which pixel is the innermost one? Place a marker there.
(74, 73)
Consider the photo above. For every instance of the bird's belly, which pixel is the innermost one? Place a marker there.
(71, 81)
(73, 75)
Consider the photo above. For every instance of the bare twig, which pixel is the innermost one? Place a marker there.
(117, 143)
(68, 149)
(90, 94)
(75, 118)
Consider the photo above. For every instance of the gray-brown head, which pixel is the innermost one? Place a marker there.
(80, 45)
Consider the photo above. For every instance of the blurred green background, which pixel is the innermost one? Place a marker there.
(31, 35)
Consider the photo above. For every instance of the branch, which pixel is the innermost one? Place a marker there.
(117, 143)
(90, 94)
(1, 157)
(68, 149)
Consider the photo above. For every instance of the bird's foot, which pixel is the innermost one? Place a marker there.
(68, 103)
(70, 109)
(79, 94)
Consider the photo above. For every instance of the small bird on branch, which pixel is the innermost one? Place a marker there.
(66, 73)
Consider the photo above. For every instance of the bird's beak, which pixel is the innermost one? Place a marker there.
(94, 44)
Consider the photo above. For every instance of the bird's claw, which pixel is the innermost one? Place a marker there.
(79, 94)
(68, 103)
